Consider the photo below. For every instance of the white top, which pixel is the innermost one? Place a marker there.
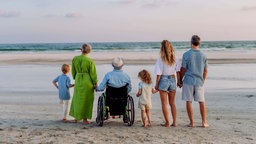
(162, 68)
(145, 97)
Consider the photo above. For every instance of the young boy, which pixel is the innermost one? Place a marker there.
(62, 83)
(194, 70)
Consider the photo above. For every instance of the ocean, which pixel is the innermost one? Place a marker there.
(128, 46)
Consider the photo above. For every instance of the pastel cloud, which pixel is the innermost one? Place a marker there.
(9, 14)
(73, 15)
(158, 3)
(248, 8)
(123, 1)
(146, 3)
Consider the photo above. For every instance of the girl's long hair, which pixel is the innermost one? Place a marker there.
(144, 75)
(167, 53)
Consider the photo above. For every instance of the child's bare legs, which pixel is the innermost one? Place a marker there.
(203, 114)
(190, 113)
(171, 96)
(149, 117)
(164, 102)
(143, 117)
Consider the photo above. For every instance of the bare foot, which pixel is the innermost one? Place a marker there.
(65, 120)
(205, 125)
(191, 125)
(173, 124)
(149, 124)
(165, 125)
(86, 122)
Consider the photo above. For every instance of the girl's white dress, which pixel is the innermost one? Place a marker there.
(145, 97)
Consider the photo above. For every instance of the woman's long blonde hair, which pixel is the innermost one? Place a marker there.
(167, 53)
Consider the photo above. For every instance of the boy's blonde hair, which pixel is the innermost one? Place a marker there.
(65, 68)
(144, 75)
(167, 53)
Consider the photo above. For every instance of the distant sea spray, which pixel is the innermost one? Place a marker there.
(127, 46)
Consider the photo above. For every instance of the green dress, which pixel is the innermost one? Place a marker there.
(85, 76)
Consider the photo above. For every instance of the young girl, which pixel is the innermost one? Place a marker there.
(144, 94)
(62, 83)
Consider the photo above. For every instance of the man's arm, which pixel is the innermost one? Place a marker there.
(182, 73)
(205, 73)
(103, 84)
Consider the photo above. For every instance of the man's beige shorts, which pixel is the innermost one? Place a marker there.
(190, 92)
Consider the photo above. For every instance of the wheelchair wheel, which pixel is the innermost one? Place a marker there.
(100, 111)
(130, 111)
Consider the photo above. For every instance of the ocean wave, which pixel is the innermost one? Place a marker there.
(128, 46)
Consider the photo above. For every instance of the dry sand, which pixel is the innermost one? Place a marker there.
(214, 57)
(29, 112)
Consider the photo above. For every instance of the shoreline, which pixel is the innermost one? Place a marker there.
(134, 58)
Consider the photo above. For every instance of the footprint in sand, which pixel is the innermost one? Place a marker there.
(13, 126)
(24, 127)
(249, 96)
(36, 124)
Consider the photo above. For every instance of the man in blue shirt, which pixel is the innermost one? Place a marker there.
(194, 69)
(116, 78)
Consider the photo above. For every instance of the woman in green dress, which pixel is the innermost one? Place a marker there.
(85, 76)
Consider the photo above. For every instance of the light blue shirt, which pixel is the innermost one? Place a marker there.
(115, 78)
(194, 61)
(63, 86)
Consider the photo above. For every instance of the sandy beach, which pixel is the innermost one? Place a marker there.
(30, 113)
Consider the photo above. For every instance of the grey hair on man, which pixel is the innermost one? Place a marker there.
(118, 63)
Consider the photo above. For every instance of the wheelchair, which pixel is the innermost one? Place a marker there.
(114, 102)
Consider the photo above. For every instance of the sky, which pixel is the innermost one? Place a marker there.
(54, 21)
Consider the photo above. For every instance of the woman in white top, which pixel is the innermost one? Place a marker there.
(165, 69)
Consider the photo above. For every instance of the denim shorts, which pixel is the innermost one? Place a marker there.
(167, 83)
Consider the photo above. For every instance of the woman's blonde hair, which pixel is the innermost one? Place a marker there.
(144, 75)
(167, 53)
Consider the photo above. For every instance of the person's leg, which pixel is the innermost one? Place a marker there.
(190, 113)
(149, 117)
(143, 118)
(164, 102)
(203, 114)
(66, 110)
(171, 96)
(62, 109)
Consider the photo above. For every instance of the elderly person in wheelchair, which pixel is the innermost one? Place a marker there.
(115, 100)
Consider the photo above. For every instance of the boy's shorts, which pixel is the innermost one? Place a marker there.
(144, 106)
(167, 83)
(190, 92)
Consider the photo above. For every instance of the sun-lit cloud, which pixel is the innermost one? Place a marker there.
(158, 3)
(9, 14)
(248, 8)
(122, 1)
(146, 3)
(73, 15)
(51, 15)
